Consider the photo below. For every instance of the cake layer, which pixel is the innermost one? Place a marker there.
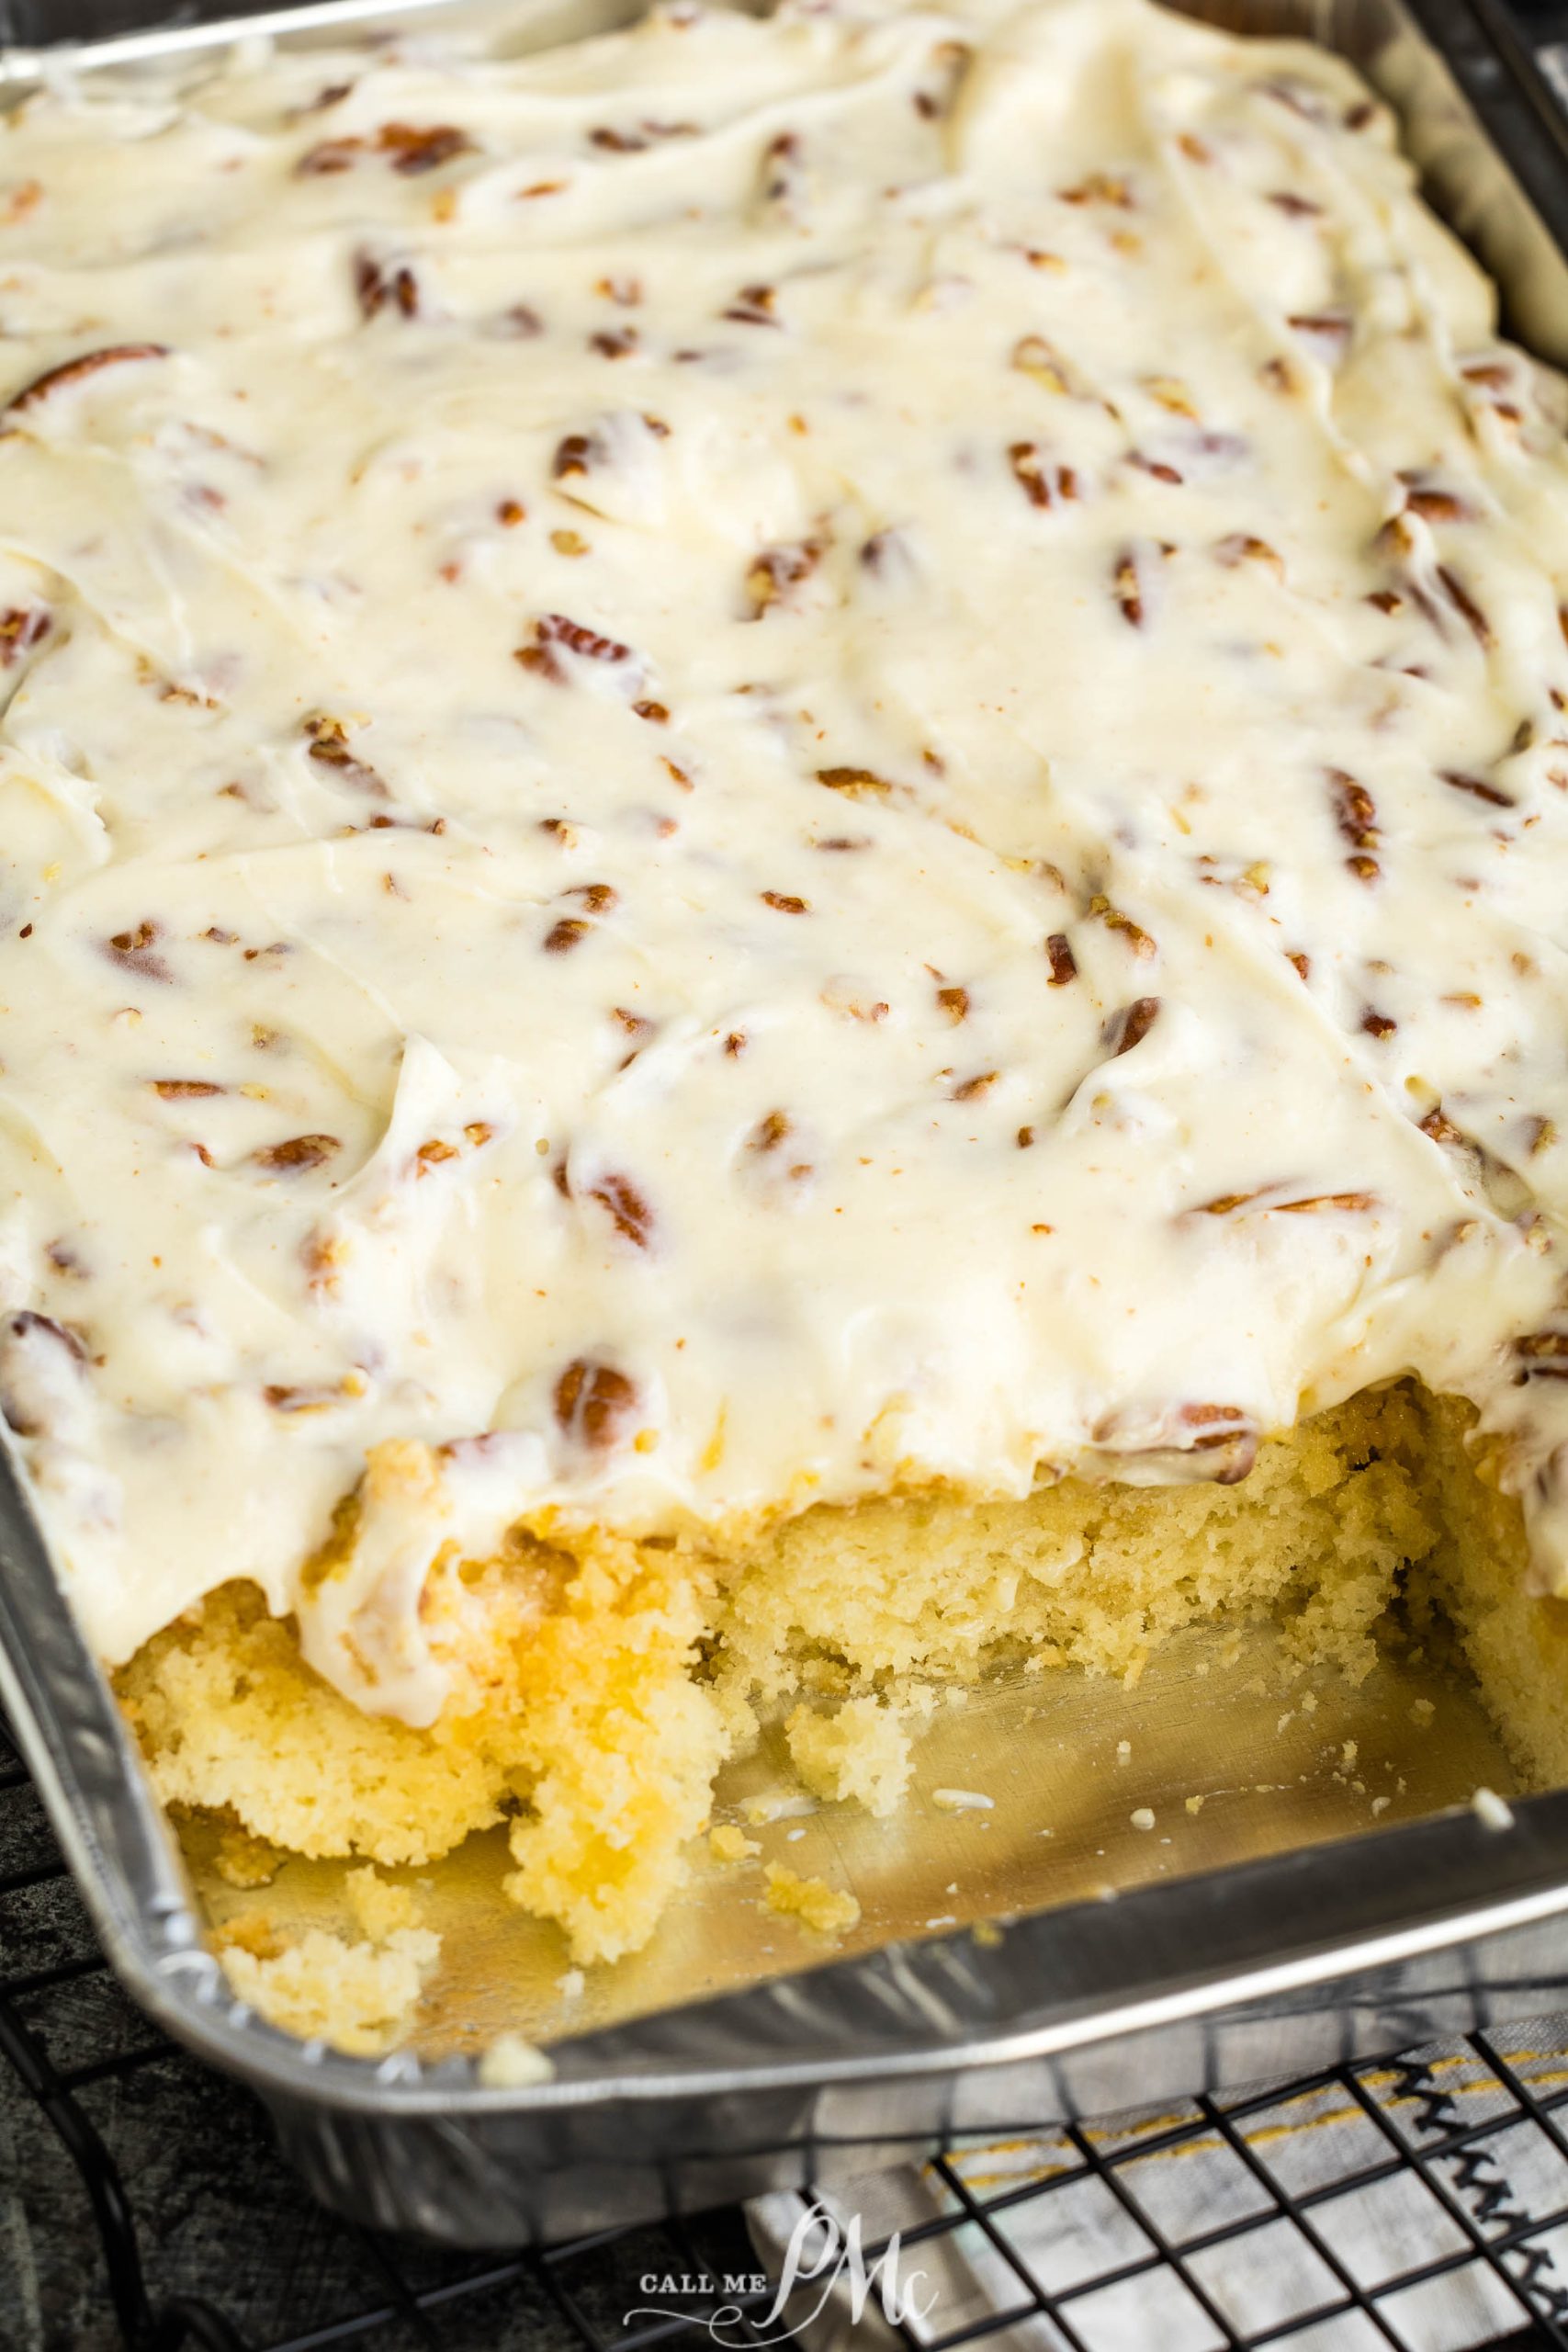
(763, 763)
(593, 1701)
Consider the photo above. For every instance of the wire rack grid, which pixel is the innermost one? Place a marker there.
(202, 2238)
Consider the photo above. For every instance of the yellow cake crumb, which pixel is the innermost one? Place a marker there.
(378, 1909)
(822, 1908)
(510, 2064)
(861, 1752)
(246, 1861)
(361, 1997)
(727, 1844)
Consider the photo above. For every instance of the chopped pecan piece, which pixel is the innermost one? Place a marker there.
(1127, 588)
(594, 1404)
(554, 631)
(855, 781)
(1041, 483)
(776, 570)
(769, 1131)
(955, 1002)
(34, 1350)
(1440, 1127)
(329, 746)
(385, 286)
(425, 148)
(566, 934)
(753, 307)
(76, 371)
(1329, 331)
(1377, 1025)
(785, 904)
(632, 1215)
(136, 951)
(185, 1090)
(1355, 811)
(574, 455)
(1132, 1024)
(1434, 505)
(298, 1154)
(1136, 937)
(1242, 548)
(970, 1090)
(1064, 964)
(21, 629)
(1318, 1204)
(1032, 355)
(431, 1155)
(1465, 605)
(1226, 1426)
(1478, 789)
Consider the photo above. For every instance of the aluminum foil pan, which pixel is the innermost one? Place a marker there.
(1049, 1956)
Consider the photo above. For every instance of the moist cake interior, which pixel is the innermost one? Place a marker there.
(600, 1684)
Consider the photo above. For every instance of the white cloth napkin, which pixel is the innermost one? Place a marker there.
(1066, 2225)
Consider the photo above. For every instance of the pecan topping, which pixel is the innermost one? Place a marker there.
(1377, 1025)
(431, 1155)
(1316, 1204)
(136, 951)
(1440, 1127)
(1035, 356)
(852, 780)
(1132, 1025)
(1064, 964)
(1354, 809)
(632, 1218)
(385, 286)
(1043, 483)
(1478, 789)
(1136, 937)
(413, 148)
(955, 1002)
(778, 570)
(299, 1155)
(555, 629)
(753, 307)
(1219, 1425)
(566, 934)
(785, 904)
(21, 629)
(1242, 548)
(574, 455)
(185, 1090)
(1436, 505)
(594, 1404)
(769, 1131)
(1127, 588)
(76, 371)
(329, 745)
(33, 1343)
(971, 1088)
(1465, 605)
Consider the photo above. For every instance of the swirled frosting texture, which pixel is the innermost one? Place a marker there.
(756, 760)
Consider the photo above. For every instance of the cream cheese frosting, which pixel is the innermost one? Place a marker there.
(755, 762)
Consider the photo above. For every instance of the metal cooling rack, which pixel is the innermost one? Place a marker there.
(203, 2238)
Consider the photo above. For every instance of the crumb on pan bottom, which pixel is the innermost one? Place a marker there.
(596, 1695)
